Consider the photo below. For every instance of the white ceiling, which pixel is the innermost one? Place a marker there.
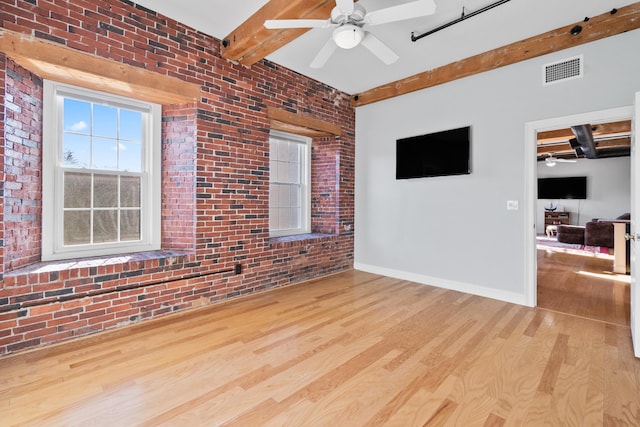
(357, 70)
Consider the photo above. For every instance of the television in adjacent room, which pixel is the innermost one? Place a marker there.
(434, 154)
(566, 187)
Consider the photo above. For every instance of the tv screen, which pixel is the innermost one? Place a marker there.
(571, 187)
(435, 154)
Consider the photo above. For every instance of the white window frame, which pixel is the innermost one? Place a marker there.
(305, 171)
(53, 247)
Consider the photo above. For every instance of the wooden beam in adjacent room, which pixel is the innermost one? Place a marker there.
(251, 41)
(63, 64)
(565, 147)
(605, 25)
(559, 135)
(287, 121)
(561, 148)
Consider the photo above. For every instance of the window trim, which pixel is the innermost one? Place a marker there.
(52, 183)
(306, 185)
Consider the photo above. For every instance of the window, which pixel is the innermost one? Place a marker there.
(289, 189)
(101, 165)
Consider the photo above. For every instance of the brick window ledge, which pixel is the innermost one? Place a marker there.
(274, 241)
(93, 262)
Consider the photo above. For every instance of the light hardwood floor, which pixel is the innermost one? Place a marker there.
(352, 349)
(583, 286)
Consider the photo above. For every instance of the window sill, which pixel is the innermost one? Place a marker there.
(299, 238)
(93, 262)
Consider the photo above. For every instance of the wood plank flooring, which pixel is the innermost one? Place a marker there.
(583, 285)
(353, 349)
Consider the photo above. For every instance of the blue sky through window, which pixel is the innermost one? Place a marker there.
(101, 136)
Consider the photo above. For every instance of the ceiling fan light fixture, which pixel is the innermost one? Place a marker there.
(348, 36)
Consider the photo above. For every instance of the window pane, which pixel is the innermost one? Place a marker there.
(283, 195)
(131, 125)
(295, 197)
(282, 154)
(273, 195)
(130, 225)
(105, 121)
(294, 218)
(130, 192)
(77, 116)
(105, 153)
(283, 172)
(77, 190)
(294, 173)
(105, 191)
(76, 150)
(273, 170)
(130, 156)
(77, 227)
(105, 226)
(283, 219)
(294, 153)
(273, 219)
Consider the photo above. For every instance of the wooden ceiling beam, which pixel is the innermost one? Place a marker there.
(605, 25)
(251, 41)
(560, 135)
(287, 121)
(63, 64)
(625, 141)
(565, 148)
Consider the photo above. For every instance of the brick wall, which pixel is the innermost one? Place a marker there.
(215, 182)
(22, 166)
(178, 176)
(2, 175)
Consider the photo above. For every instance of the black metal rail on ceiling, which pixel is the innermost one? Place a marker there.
(455, 21)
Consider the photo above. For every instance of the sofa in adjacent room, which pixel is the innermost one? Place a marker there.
(597, 232)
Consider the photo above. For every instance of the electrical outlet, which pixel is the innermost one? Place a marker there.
(512, 205)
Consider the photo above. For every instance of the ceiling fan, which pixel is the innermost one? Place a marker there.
(348, 19)
(551, 161)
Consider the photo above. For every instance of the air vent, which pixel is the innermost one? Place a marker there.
(567, 69)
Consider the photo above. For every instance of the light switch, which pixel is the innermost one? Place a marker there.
(512, 205)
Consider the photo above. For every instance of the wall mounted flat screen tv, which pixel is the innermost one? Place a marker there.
(435, 154)
(567, 187)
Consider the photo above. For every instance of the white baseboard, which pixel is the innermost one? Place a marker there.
(445, 284)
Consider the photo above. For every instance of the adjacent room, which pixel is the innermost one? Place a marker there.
(319, 212)
(582, 200)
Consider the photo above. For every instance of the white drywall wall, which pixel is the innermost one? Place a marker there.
(456, 231)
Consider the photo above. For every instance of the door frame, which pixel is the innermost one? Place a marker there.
(531, 189)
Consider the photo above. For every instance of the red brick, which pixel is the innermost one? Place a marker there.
(218, 230)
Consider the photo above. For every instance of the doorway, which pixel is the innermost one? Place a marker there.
(569, 296)
(576, 268)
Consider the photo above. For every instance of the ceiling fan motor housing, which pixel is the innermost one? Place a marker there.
(356, 17)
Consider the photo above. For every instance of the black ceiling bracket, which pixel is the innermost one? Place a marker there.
(455, 21)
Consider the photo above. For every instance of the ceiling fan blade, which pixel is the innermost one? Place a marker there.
(379, 49)
(324, 54)
(410, 10)
(345, 6)
(296, 23)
